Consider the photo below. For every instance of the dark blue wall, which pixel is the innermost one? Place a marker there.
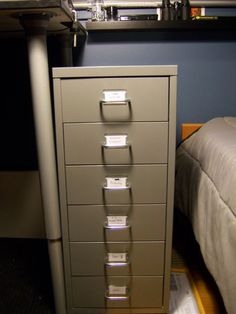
(206, 65)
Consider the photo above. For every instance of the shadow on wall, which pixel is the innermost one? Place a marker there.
(16, 118)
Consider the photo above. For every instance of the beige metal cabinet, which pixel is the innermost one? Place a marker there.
(140, 93)
(92, 259)
(115, 129)
(147, 222)
(88, 184)
(140, 291)
(145, 148)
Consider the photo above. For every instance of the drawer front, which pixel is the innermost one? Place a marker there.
(117, 259)
(100, 292)
(95, 143)
(85, 184)
(148, 99)
(147, 223)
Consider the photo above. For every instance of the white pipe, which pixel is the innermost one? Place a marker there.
(83, 5)
(42, 108)
(35, 27)
(57, 274)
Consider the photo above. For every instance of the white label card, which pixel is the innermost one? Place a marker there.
(114, 95)
(117, 257)
(115, 290)
(116, 220)
(116, 183)
(115, 140)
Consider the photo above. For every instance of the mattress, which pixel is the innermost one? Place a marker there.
(205, 190)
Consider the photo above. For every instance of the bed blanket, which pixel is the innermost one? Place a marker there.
(205, 190)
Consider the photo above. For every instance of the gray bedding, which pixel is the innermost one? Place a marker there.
(205, 190)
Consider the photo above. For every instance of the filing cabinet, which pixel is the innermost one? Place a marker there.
(115, 135)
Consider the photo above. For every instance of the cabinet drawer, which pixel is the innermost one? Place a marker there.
(85, 184)
(139, 291)
(117, 259)
(147, 222)
(148, 99)
(96, 143)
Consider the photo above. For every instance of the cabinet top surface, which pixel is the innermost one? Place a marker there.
(114, 71)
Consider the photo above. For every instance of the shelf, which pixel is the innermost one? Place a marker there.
(219, 24)
(61, 13)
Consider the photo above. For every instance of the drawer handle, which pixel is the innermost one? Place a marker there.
(117, 264)
(116, 227)
(125, 102)
(127, 145)
(116, 297)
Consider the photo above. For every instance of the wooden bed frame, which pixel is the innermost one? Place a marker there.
(189, 128)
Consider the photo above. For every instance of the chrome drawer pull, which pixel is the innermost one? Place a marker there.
(117, 264)
(116, 227)
(125, 102)
(127, 145)
(116, 297)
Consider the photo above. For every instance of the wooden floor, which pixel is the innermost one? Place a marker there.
(186, 253)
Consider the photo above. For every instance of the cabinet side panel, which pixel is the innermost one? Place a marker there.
(62, 187)
(170, 187)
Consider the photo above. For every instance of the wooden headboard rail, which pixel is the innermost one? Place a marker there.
(189, 128)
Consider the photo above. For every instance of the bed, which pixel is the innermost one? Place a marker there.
(205, 191)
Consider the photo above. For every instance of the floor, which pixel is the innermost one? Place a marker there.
(186, 253)
(25, 276)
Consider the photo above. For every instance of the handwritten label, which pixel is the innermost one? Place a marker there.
(115, 290)
(116, 221)
(115, 140)
(114, 95)
(116, 183)
(117, 257)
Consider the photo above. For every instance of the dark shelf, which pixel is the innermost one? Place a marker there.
(60, 22)
(218, 24)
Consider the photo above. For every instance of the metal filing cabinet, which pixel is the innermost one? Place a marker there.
(115, 129)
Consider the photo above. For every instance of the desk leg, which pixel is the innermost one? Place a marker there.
(36, 28)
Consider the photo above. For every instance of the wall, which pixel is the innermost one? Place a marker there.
(206, 65)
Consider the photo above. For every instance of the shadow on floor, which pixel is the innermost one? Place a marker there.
(25, 277)
(187, 250)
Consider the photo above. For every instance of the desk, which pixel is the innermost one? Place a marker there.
(36, 18)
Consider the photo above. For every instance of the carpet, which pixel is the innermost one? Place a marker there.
(25, 277)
